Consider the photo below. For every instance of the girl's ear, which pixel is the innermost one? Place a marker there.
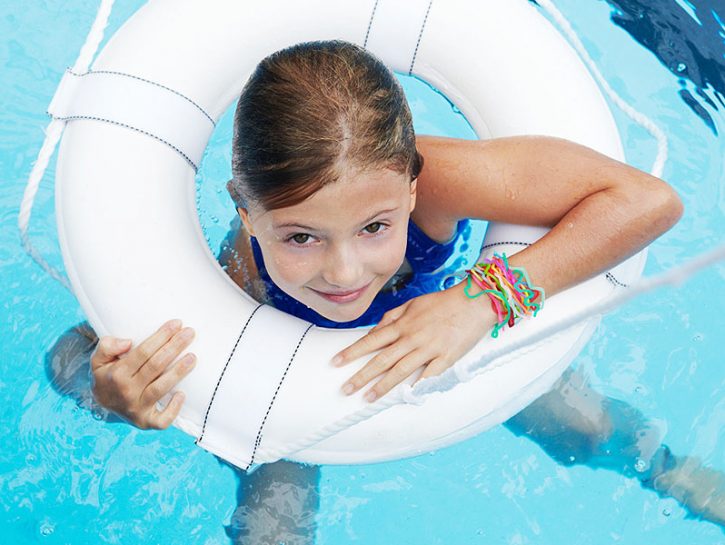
(244, 214)
(413, 193)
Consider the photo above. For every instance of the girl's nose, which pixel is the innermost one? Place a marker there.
(343, 268)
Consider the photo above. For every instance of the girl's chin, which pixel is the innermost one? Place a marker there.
(340, 312)
(340, 315)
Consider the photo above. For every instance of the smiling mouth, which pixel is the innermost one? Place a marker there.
(342, 297)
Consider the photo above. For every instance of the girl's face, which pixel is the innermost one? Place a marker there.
(337, 249)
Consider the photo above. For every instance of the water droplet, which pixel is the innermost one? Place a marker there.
(46, 528)
(215, 219)
(572, 458)
(640, 465)
(681, 67)
(666, 512)
(638, 389)
(698, 337)
(97, 415)
(455, 109)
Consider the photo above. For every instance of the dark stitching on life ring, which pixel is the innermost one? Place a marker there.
(487, 246)
(370, 24)
(420, 35)
(258, 441)
(616, 282)
(221, 376)
(91, 118)
(91, 72)
(609, 276)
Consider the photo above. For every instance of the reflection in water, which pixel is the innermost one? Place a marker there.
(688, 37)
(689, 42)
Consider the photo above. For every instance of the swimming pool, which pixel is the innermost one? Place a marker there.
(67, 477)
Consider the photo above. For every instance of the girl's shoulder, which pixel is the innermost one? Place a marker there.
(439, 230)
(237, 259)
(428, 215)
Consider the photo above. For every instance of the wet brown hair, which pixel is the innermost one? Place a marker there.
(309, 112)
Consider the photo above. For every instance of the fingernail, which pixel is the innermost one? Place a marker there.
(186, 334)
(371, 396)
(173, 324)
(188, 361)
(347, 389)
(122, 342)
(337, 360)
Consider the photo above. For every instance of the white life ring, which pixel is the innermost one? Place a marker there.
(263, 388)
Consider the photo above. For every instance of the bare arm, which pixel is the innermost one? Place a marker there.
(600, 210)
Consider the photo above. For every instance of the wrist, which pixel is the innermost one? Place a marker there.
(508, 289)
(480, 308)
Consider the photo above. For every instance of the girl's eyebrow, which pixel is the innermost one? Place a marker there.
(308, 228)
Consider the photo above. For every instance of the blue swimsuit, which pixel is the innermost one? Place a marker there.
(425, 256)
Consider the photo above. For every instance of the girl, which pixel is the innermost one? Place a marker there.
(344, 217)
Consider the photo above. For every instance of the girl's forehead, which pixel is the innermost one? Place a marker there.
(350, 201)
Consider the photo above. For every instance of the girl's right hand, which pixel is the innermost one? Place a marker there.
(129, 381)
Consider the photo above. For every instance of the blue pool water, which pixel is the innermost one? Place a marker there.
(67, 476)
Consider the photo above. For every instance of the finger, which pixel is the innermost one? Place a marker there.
(108, 349)
(168, 380)
(374, 340)
(402, 370)
(390, 316)
(434, 368)
(144, 351)
(376, 366)
(161, 420)
(163, 357)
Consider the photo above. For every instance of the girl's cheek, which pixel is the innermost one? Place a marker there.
(389, 257)
(294, 268)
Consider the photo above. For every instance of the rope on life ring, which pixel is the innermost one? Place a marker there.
(451, 377)
(52, 136)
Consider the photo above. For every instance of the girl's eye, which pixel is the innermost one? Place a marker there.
(300, 238)
(374, 227)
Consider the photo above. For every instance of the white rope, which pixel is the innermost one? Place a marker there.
(638, 117)
(52, 136)
(456, 374)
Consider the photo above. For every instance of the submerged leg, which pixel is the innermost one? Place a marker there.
(698, 488)
(277, 504)
(577, 425)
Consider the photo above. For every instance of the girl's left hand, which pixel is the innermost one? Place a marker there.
(435, 330)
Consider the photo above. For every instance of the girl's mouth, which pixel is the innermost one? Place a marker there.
(344, 296)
